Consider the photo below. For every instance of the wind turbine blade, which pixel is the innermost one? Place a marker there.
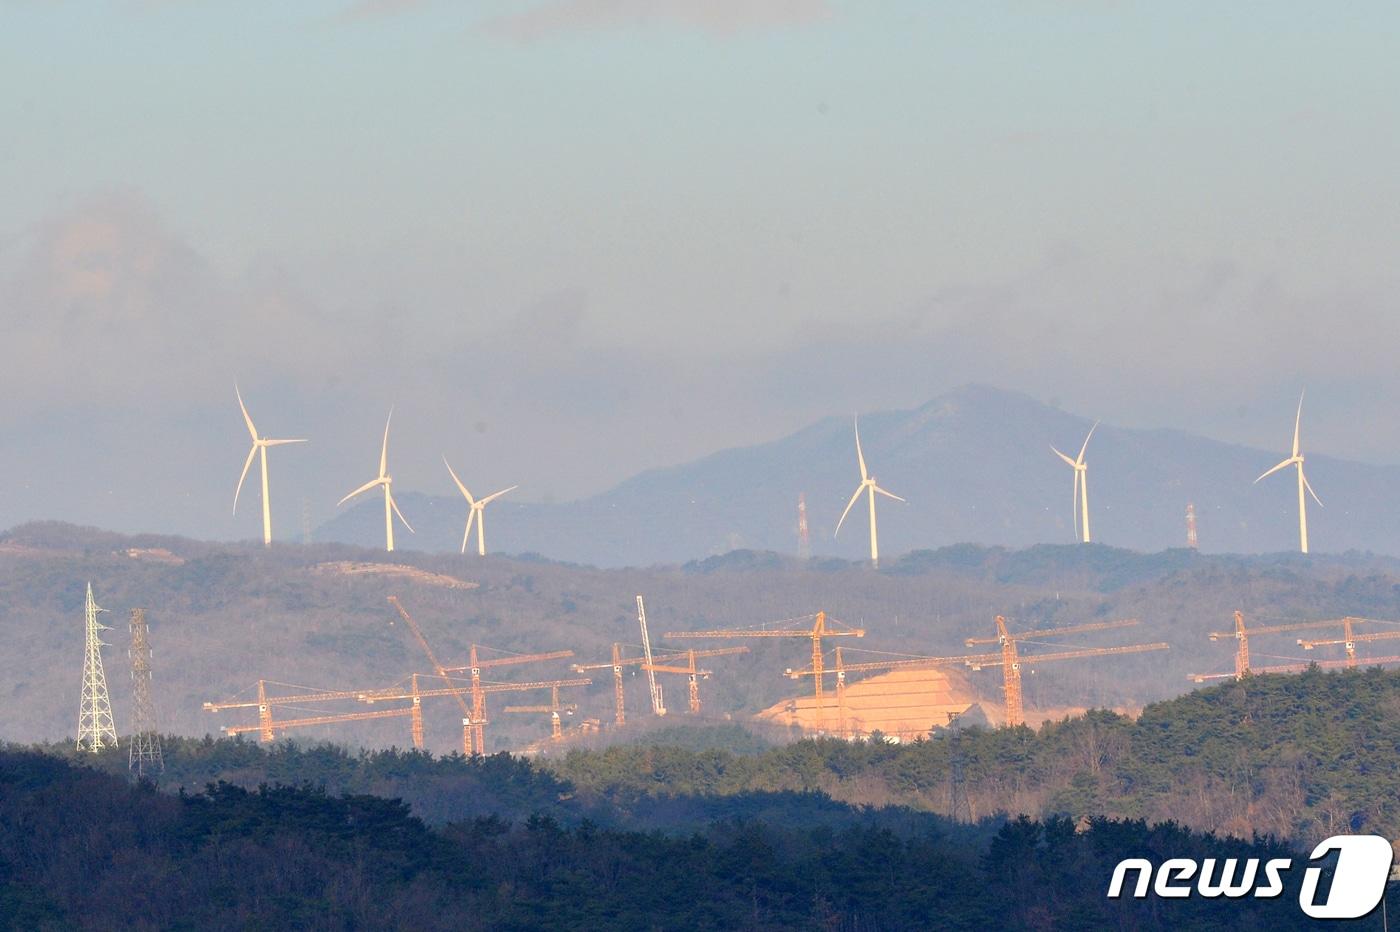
(496, 495)
(364, 488)
(278, 443)
(248, 464)
(1308, 485)
(384, 450)
(889, 495)
(244, 408)
(1080, 460)
(395, 505)
(859, 455)
(1297, 421)
(460, 486)
(471, 516)
(860, 488)
(1287, 462)
(1067, 460)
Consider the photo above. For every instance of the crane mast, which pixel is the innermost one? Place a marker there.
(841, 668)
(441, 671)
(1242, 634)
(556, 728)
(818, 631)
(658, 666)
(1010, 659)
(657, 706)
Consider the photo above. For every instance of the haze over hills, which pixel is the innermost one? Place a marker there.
(224, 615)
(975, 465)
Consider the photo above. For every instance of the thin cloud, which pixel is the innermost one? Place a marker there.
(374, 9)
(720, 18)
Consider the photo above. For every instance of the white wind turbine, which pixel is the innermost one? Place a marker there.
(870, 487)
(260, 445)
(1081, 486)
(391, 507)
(477, 512)
(1303, 484)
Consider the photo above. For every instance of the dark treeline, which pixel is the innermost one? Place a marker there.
(84, 849)
(1296, 756)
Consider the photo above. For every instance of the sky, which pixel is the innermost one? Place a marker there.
(569, 240)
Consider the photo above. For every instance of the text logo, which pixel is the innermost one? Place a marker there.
(1358, 881)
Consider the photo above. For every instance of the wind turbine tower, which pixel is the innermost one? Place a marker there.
(95, 728)
(385, 481)
(145, 754)
(260, 445)
(1081, 486)
(869, 486)
(476, 512)
(804, 543)
(1304, 487)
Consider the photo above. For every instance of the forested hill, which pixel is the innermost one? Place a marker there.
(1298, 757)
(223, 616)
(81, 849)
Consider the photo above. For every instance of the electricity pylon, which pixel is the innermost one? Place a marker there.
(95, 728)
(145, 755)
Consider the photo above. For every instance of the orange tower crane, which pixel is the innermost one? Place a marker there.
(382, 695)
(840, 669)
(821, 628)
(689, 657)
(441, 671)
(267, 725)
(1242, 634)
(478, 713)
(553, 709)
(1010, 659)
(1349, 640)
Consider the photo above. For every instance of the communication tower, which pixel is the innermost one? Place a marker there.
(1191, 525)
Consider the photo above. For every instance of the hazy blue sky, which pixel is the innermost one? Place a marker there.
(571, 239)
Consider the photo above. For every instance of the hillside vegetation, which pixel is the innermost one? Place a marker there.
(1299, 757)
(81, 849)
(223, 616)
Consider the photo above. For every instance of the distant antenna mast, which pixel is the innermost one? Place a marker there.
(145, 754)
(95, 728)
(804, 544)
(657, 705)
(1191, 525)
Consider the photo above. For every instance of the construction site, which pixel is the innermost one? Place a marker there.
(841, 691)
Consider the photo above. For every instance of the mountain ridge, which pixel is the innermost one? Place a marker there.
(975, 466)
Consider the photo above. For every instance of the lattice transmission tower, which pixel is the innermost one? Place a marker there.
(95, 728)
(145, 754)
